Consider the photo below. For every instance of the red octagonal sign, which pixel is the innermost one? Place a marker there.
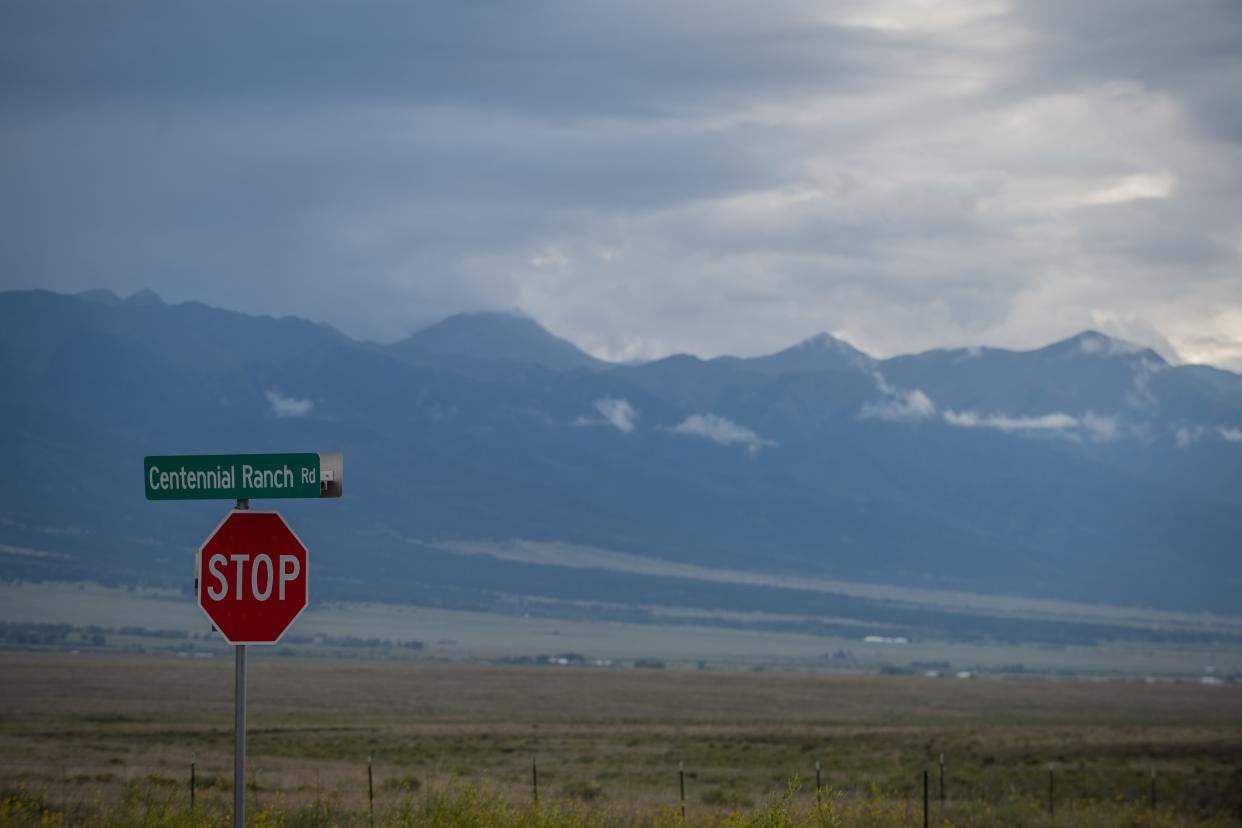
(251, 577)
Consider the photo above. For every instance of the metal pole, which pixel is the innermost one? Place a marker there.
(239, 723)
(370, 793)
(239, 736)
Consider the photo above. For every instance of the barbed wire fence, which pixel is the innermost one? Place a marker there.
(368, 786)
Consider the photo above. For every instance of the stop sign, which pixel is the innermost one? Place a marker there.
(251, 577)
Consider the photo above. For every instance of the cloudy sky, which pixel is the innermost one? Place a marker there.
(642, 177)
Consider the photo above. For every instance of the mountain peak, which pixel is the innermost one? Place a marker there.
(821, 352)
(1092, 343)
(144, 298)
(507, 336)
(826, 342)
(140, 299)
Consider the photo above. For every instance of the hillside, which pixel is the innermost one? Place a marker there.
(1087, 470)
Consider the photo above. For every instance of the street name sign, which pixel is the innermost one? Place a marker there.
(250, 576)
(243, 476)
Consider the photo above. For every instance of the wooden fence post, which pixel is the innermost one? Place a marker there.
(1052, 810)
(681, 776)
(924, 797)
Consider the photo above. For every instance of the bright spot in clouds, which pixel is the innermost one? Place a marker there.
(1133, 188)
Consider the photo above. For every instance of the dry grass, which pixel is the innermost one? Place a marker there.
(39, 686)
(97, 731)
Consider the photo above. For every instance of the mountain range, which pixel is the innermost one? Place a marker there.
(1090, 469)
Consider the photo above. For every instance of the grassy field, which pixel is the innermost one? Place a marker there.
(563, 554)
(111, 737)
(464, 636)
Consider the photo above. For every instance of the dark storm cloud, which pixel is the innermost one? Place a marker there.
(569, 58)
(644, 177)
(1192, 51)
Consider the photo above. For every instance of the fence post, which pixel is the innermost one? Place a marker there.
(819, 789)
(942, 784)
(534, 779)
(370, 793)
(1052, 812)
(1153, 790)
(681, 777)
(924, 797)
(192, 781)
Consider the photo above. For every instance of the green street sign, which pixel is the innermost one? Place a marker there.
(242, 476)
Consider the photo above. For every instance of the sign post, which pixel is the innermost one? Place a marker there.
(250, 574)
(239, 732)
(239, 715)
(251, 581)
